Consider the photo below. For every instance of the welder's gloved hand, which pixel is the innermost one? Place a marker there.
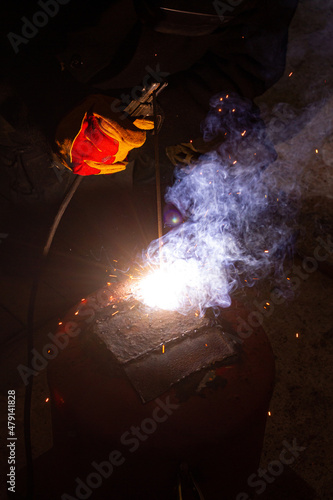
(189, 152)
(94, 139)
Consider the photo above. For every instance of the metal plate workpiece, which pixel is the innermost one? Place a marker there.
(153, 374)
(159, 348)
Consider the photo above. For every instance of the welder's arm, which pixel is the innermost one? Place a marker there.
(246, 57)
(249, 54)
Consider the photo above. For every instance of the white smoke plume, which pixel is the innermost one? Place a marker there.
(237, 226)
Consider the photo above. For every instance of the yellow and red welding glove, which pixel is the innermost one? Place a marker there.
(94, 140)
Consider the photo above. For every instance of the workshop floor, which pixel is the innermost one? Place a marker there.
(109, 218)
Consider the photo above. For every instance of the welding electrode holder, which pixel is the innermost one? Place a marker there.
(143, 106)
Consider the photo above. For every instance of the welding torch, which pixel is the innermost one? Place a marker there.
(144, 105)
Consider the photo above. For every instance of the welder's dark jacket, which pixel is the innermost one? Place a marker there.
(113, 46)
(244, 51)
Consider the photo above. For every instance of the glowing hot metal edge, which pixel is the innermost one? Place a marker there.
(167, 287)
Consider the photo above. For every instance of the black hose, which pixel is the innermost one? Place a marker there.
(30, 336)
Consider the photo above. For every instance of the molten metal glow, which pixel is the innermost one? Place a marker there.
(167, 287)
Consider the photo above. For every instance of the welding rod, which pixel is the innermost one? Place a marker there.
(157, 172)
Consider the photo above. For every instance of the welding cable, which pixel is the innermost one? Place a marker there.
(30, 335)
